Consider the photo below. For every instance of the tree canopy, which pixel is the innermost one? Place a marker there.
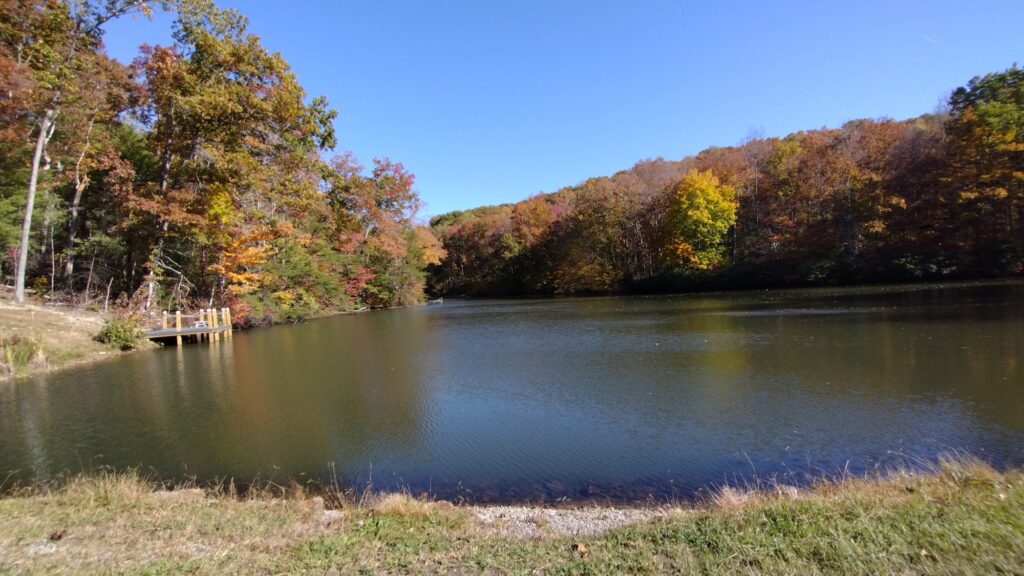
(202, 172)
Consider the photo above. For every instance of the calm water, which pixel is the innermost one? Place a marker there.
(608, 398)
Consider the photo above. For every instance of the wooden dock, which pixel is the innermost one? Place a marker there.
(210, 324)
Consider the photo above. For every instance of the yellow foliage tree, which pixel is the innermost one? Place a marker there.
(702, 210)
(431, 249)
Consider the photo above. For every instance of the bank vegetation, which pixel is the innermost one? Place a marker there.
(961, 518)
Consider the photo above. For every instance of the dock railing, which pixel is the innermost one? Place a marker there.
(210, 324)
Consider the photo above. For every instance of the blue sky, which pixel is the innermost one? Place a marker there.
(489, 102)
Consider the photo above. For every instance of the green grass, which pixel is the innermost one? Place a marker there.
(964, 518)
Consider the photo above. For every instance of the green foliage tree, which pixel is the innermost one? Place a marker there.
(986, 170)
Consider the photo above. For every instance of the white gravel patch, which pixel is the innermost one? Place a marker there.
(530, 522)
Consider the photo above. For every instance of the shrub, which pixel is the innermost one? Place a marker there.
(41, 285)
(121, 333)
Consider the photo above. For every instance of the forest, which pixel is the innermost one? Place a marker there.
(935, 197)
(200, 174)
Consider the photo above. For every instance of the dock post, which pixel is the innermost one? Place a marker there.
(177, 325)
(163, 325)
(227, 321)
(215, 336)
(202, 318)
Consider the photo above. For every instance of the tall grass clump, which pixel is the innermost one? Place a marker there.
(20, 352)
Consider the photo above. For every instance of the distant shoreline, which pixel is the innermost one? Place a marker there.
(70, 332)
(895, 285)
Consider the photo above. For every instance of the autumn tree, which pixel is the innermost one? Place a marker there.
(55, 47)
(702, 212)
(237, 145)
(374, 219)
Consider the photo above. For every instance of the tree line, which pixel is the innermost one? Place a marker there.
(939, 196)
(199, 173)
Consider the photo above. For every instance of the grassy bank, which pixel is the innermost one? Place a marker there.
(964, 518)
(35, 338)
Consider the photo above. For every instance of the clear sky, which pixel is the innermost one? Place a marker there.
(490, 101)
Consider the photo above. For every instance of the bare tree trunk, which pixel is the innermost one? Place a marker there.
(149, 293)
(53, 262)
(88, 284)
(81, 182)
(45, 132)
(106, 301)
(165, 177)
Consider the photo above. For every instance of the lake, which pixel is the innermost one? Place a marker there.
(632, 399)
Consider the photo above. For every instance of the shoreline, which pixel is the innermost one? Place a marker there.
(902, 285)
(80, 327)
(79, 353)
(963, 517)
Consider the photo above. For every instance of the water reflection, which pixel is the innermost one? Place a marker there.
(618, 398)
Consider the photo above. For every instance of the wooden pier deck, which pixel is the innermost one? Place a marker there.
(211, 324)
(171, 332)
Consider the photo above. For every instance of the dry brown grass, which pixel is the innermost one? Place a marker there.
(59, 336)
(400, 505)
(118, 523)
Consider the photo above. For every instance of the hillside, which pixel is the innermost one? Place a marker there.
(934, 197)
